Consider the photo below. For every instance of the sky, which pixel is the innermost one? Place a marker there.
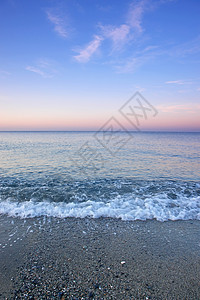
(73, 64)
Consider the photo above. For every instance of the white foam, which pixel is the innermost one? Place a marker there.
(159, 207)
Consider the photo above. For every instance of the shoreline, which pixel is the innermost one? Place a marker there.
(72, 258)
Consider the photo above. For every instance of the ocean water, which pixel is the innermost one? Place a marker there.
(132, 176)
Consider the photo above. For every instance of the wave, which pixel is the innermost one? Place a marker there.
(123, 198)
(159, 208)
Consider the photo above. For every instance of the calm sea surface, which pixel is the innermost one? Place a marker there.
(142, 175)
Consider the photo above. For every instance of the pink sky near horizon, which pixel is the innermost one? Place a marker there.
(166, 119)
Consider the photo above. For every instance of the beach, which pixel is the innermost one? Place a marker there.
(105, 258)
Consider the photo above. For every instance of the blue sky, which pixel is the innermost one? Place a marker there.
(70, 65)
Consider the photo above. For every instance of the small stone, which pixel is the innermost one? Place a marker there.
(96, 286)
(60, 295)
(91, 295)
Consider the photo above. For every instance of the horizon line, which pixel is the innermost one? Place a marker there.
(139, 131)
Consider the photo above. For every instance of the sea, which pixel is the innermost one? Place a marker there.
(126, 175)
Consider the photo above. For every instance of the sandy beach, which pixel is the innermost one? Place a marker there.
(49, 258)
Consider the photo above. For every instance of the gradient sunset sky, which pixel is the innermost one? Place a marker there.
(71, 64)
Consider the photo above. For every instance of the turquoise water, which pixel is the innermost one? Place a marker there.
(138, 175)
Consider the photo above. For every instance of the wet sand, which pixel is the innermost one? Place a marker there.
(49, 258)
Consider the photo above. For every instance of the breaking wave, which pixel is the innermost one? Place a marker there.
(127, 199)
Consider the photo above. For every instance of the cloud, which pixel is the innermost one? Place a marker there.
(86, 53)
(118, 35)
(166, 1)
(127, 31)
(125, 35)
(175, 82)
(151, 52)
(140, 89)
(58, 22)
(135, 14)
(188, 48)
(4, 74)
(129, 65)
(149, 48)
(35, 70)
(192, 108)
(179, 82)
(43, 68)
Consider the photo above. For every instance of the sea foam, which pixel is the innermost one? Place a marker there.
(158, 207)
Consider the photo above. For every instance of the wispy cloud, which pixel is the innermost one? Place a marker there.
(58, 22)
(86, 53)
(135, 14)
(140, 89)
(188, 48)
(192, 108)
(118, 35)
(43, 68)
(135, 25)
(4, 74)
(128, 36)
(179, 82)
(150, 48)
(166, 1)
(129, 65)
(122, 34)
(175, 82)
(152, 52)
(35, 70)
